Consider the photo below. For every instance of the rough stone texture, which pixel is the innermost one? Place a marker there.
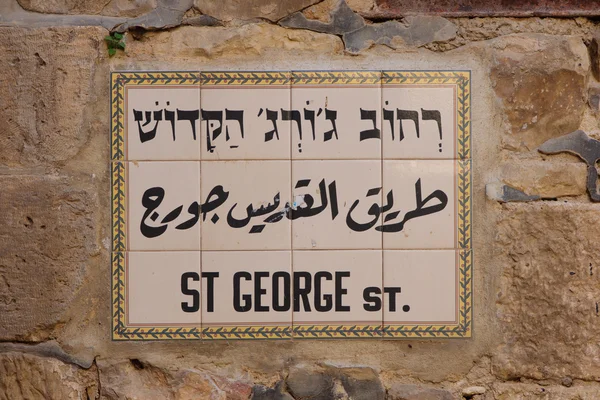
(23, 376)
(47, 240)
(526, 391)
(12, 14)
(548, 294)
(594, 98)
(541, 83)
(46, 87)
(321, 11)
(594, 51)
(117, 8)
(272, 10)
(134, 379)
(472, 391)
(546, 179)
(415, 392)
(251, 40)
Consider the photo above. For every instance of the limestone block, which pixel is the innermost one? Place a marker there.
(239, 43)
(417, 392)
(524, 391)
(46, 87)
(117, 8)
(134, 379)
(547, 302)
(545, 178)
(540, 82)
(24, 376)
(47, 242)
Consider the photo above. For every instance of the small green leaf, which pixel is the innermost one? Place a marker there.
(112, 52)
(121, 45)
(118, 35)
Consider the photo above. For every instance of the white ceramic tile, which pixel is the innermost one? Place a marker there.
(339, 105)
(419, 122)
(155, 294)
(245, 122)
(162, 123)
(163, 205)
(249, 201)
(263, 279)
(425, 221)
(336, 204)
(341, 277)
(428, 282)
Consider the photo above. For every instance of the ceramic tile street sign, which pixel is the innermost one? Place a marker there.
(291, 205)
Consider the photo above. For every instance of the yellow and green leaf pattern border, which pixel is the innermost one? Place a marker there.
(462, 79)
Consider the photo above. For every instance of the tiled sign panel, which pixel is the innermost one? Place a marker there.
(291, 205)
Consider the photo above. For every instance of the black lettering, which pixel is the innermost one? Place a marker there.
(371, 295)
(259, 292)
(319, 306)
(277, 277)
(392, 291)
(185, 306)
(301, 292)
(210, 289)
(237, 297)
(340, 291)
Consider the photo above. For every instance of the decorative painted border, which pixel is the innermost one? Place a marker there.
(336, 77)
(245, 78)
(333, 331)
(247, 332)
(463, 199)
(118, 204)
(322, 331)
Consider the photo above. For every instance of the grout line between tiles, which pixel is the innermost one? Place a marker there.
(382, 194)
(291, 194)
(313, 250)
(200, 220)
(298, 159)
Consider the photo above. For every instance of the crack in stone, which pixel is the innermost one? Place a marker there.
(358, 36)
(583, 146)
(50, 349)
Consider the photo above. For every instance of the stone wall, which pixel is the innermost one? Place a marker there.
(537, 263)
